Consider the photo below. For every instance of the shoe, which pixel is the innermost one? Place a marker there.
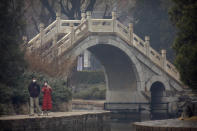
(41, 114)
(45, 113)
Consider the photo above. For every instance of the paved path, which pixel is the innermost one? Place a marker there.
(52, 115)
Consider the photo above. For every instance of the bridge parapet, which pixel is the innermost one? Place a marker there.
(76, 30)
(67, 41)
(55, 28)
(46, 34)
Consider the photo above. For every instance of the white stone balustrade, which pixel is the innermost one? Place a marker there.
(75, 30)
(99, 25)
(139, 44)
(147, 45)
(65, 25)
(131, 33)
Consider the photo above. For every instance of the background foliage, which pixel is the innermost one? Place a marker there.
(151, 18)
(12, 25)
(183, 15)
(88, 77)
(88, 85)
(90, 92)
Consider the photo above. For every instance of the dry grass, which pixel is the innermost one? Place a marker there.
(53, 69)
(193, 118)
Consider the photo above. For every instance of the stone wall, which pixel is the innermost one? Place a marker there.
(80, 122)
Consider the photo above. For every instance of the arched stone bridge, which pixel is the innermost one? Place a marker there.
(133, 69)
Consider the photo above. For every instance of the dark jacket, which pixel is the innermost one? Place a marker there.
(34, 89)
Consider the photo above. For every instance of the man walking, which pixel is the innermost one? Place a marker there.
(34, 92)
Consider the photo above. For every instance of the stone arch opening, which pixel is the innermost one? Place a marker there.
(123, 72)
(158, 107)
(120, 76)
(157, 92)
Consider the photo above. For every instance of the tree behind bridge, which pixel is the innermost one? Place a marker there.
(151, 18)
(183, 15)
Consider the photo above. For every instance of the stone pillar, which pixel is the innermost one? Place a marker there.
(163, 55)
(147, 45)
(113, 15)
(131, 33)
(88, 14)
(113, 21)
(24, 38)
(83, 16)
(41, 26)
(72, 32)
(58, 15)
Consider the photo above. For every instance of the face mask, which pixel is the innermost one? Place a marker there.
(34, 81)
(45, 84)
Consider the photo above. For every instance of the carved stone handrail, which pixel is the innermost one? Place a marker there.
(46, 31)
(72, 37)
(100, 25)
(65, 25)
(65, 42)
(139, 44)
(75, 30)
(56, 27)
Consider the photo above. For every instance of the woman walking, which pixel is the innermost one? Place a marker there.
(47, 102)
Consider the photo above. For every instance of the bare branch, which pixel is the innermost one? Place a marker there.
(49, 8)
(35, 24)
(63, 9)
(90, 6)
(105, 12)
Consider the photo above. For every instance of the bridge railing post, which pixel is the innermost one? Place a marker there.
(41, 26)
(163, 54)
(24, 38)
(58, 15)
(147, 45)
(131, 33)
(114, 21)
(72, 33)
(83, 17)
(88, 14)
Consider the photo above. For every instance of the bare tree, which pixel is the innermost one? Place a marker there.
(72, 8)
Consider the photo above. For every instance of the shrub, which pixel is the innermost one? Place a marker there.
(61, 93)
(19, 93)
(88, 77)
(96, 91)
(6, 93)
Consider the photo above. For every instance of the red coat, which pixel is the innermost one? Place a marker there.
(47, 102)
